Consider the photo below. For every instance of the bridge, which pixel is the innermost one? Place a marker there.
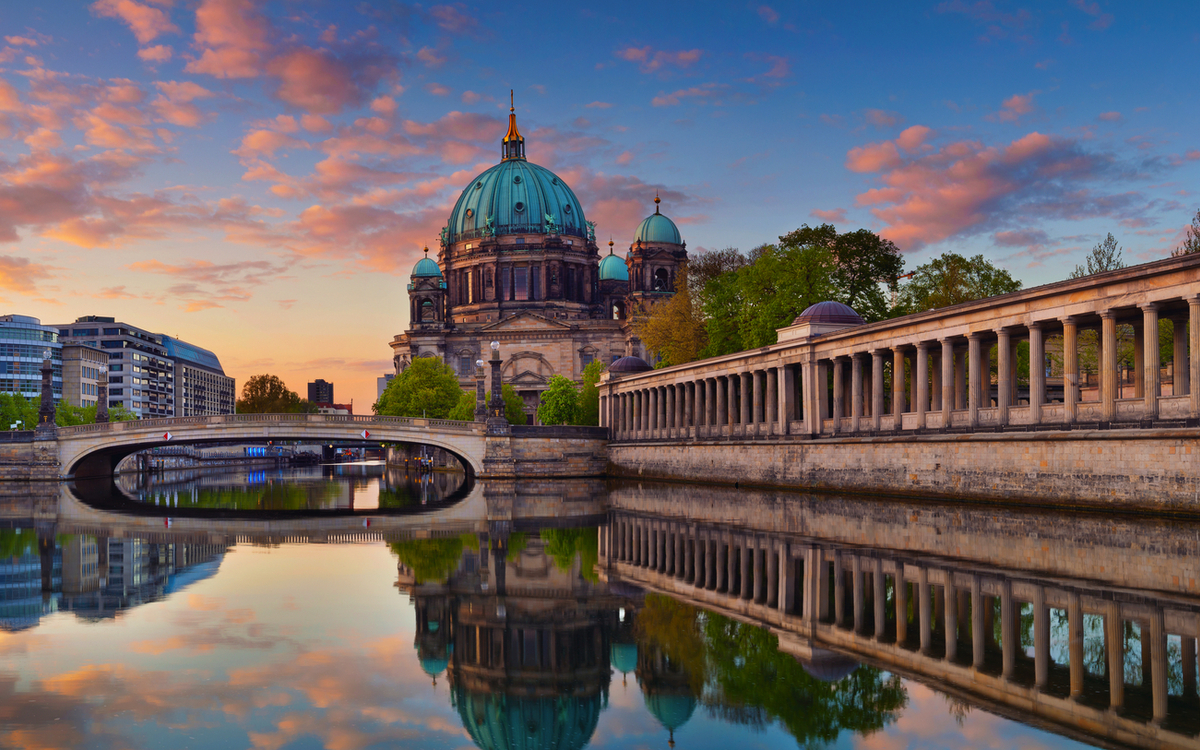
(1088, 628)
(911, 404)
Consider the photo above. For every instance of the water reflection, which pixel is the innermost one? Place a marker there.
(678, 614)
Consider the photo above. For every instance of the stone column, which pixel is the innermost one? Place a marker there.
(652, 412)
(710, 558)
(1070, 369)
(1008, 628)
(839, 589)
(960, 378)
(947, 382)
(700, 566)
(663, 425)
(754, 425)
(924, 610)
(877, 583)
(898, 394)
(876, 387)
(1037, 372)
(977, 363)
(772, 562)
(745, 394)
(787, 580)
(1004, 370)
(1194, 354)
(787, 398)
(978, 636)
(732, 382)
(1139, 362)
(1181, 383)
(1108, 365)
(858, 593)
(747, 588)
(652, 556)
(1156, 633)
(670, 400)
(759, 554)
(1041, 633)
(950, 619)
(922, 381)
(1114, 644)
(900, 590)
(935, 380)
(839, 384)
(1189, 668)
(856, 391)
(691, 420)
(1150, 363)
(772, 403)
(732, 565)
(1075, 643)
(722, 578)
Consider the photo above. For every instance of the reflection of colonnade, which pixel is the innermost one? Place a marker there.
(831, 374)
(1093, 659)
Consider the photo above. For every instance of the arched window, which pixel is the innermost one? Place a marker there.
(662, 280)
(618, 311)
(428, 311)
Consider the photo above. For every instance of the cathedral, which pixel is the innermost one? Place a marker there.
(518, 264)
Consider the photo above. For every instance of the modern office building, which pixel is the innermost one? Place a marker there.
(83, 369)
(153, 375)
(381, 384)
(24, 342)
(320, 392)
(201, 385)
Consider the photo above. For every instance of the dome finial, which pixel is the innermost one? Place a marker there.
(513, 145)
(512, 107)
(656, 201)
(610, 246)
(427, 251)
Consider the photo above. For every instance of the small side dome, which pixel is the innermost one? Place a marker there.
(834, 668)
(630, 364)
(658, 228)
(613, 268)
(434, 667)
(830, 312)
(426, 268)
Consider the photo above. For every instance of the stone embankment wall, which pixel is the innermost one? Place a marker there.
(24, 459)
(535, 451)
(1157, 470)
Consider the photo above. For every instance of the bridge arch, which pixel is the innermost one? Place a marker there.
(95, 450)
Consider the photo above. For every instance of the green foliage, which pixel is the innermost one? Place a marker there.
(1105, 256)
(464, 410)
(17, 542)
(589, 394)
(952, 279)
(433, 560)
(514, 405)
(268, 394)
(862, 263)
(559, 402)
(675, 329)
(14, 406)
(427, 388)
(564, 544)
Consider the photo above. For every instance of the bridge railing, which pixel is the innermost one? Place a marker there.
(241, 419)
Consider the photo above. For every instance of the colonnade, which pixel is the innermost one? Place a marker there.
(954, 621)
(937, 376)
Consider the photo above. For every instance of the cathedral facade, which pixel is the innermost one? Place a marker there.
(518, 263)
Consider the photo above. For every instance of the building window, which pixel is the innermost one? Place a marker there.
(585, 358)
(521, 283)
(505, 288)
(465, 365)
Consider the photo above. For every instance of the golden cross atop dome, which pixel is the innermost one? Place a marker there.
(656, 201)
(511, 106)
(610, 246)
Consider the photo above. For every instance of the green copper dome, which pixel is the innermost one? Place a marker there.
(426, 267)
(671, 710)
(499, 721)
(623, 657)
(658, 228)
(613, 268)
(515, 197)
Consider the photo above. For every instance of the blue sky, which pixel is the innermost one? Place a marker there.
(260, 177)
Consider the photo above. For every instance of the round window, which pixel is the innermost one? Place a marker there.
(519, 207)
(479, 186)
(470, 213)
(566, 209)
(517, 179)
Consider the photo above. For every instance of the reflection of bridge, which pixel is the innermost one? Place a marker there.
(907, 404)
(95, 449)
(1088, 625)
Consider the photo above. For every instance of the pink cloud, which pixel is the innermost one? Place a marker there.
(266, 142)
(1109, 116)
(233, 37)
(598, 105)
(835, 216)
(157, 53)
(650, 60)
(430, 57)
(1103, 20)
(709, 93)
(453, 19)
(874, 157)
(21, 41)
(315, 81)
(881, 118)
(145, 22)
(437, 89)
(913, 137)
(21, 274)
(1014, 107)
(385, 105)
(315, 124)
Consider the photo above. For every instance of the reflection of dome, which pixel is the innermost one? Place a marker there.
(612, 268)
(516, 195)
(829, 312)
(671, 709)
(832, 667)
(434, 667)
(630, 364)
(658, 228)
(623, 657)
(497, 721)
(426, 268)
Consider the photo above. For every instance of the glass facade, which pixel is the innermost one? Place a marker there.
(24, 342)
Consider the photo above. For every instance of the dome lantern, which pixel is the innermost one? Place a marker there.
(426, 268)
(513, 145)
(657, 228)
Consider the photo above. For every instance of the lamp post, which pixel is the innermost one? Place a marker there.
(480, 402)
(497, 423)
(46, 410)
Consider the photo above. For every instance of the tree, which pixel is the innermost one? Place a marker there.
(15, 407)
(1191, 241)
(427, 388)
(950, 280)
(464, 410)
(589, 394)
(779, 285)
(704, 267)
(559, 402)
(1105, 256)
(267, 394)
(675, 329)
(862, 261)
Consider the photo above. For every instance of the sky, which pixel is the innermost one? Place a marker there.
(259, 178)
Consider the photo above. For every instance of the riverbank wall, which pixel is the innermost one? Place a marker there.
(1133, 470)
